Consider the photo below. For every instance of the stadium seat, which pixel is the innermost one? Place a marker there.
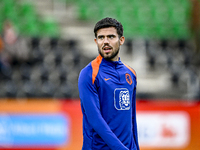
(11, 89)
(28, 89)
(50, 28)
(25, 71)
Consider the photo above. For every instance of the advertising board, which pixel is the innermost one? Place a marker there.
(49, 124)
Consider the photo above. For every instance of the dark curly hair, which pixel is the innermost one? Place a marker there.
(109, 22)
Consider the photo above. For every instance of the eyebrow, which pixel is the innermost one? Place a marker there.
(106, 35)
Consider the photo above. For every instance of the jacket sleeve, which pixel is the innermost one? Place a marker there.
(134, 122)
(90, 103)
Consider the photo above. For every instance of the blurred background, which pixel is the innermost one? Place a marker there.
(45, 43)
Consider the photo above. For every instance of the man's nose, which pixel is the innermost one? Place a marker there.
(106, 40)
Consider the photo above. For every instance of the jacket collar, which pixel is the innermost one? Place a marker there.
(112, 63)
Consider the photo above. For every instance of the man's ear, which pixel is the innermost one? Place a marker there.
(122, 40)
(95, 40)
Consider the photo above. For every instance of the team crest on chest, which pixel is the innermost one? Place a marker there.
(122, 99)
(128, 78)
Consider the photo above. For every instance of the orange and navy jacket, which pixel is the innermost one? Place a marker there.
(107, 91)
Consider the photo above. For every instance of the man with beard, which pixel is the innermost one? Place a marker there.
(103, 84)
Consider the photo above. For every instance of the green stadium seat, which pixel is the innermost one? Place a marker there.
(160, 15)
(50, 28)
(93, 11)
(141, 18)
(182, 32)
(82, 9)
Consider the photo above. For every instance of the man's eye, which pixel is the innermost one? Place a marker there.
(100, 37)
(111, 36)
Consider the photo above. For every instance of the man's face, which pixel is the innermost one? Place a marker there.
(108, 43)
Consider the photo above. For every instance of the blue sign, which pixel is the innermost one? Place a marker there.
(34, 129)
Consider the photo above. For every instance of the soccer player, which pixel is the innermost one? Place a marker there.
(107, 90)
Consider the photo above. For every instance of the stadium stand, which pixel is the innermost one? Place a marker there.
(158, 45)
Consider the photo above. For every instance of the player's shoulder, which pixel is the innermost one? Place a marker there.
(86, 70)
(131, 69)
(91, 70)
(94, 64)
(85, 75)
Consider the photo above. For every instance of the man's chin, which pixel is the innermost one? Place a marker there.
(107, 56)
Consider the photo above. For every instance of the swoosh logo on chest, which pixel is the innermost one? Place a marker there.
(106, 79)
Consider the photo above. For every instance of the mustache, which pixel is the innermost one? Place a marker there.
(107, 46)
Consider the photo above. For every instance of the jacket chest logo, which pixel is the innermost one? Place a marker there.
(106, 79)
(128, 78)
(122, 99)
